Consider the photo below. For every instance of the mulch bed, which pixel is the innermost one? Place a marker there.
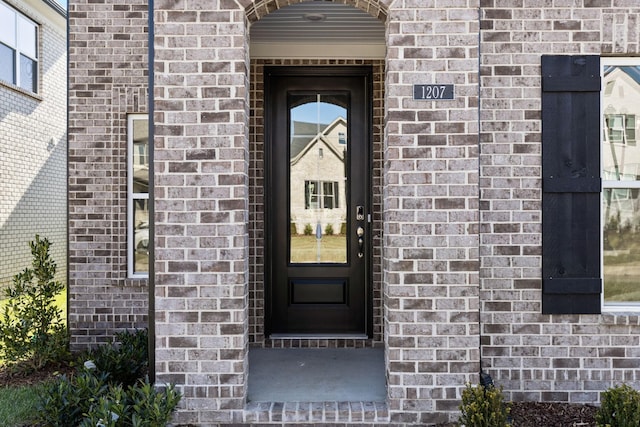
(546, 414)
(11, 379)
(549, 414)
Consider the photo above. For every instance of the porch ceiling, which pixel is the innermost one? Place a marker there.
(318, 22)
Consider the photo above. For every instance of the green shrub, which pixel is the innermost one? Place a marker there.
(64, 402)
(308, 230)
(126, 360)
(109, 390)
(483, 407)
(151, 407)
(32, 332)
(293, 230)
(343, 228)
(86, 400)
(328, 230)
(620, 407)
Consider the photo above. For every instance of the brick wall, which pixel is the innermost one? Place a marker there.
(534, 356)
(204, 282)
(108, 79)
(33, 154)
(201, 198)
(431, 255)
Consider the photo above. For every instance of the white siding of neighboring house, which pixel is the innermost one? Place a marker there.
(33, 150)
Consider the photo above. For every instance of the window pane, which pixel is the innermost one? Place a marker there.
(7, 66)
(140, 156)
(318, 144)
(621, 163)
(7, 25)
(621, 106)
(621, 245)
(630, 129)
(141, 236)
(327, 191)
(27, 41)
(28, 74)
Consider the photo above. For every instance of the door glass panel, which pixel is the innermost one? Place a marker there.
(318, 204)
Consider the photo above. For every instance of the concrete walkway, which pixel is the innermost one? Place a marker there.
(316, 375)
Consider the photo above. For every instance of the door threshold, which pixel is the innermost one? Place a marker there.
(316, 413)
(319, 336)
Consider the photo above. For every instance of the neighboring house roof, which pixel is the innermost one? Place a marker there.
(56, 6)
(633, 72)
(303, 134)
(300, 145)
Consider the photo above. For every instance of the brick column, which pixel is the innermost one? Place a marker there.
(431, 211)
(201, 154)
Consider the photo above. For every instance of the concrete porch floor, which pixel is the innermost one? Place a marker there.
(316, 375)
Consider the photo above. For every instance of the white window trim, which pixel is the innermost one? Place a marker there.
(20, 52)
(612, 307)
(131, 197)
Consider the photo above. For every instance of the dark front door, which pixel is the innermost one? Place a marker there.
(318, 185)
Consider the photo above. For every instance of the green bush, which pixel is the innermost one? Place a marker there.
(483, 407)
(308, 230)
(86, 400)
(620, 407)
(126, 360)
(32, 331)
(343, 228)
(108, 390)
(64, 402)
(328, 230)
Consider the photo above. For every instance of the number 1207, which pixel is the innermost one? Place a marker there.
(432, 92)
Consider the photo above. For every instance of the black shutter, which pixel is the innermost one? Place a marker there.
(571, 279)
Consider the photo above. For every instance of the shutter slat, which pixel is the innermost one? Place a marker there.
(583, 285)
(575, 185)
(569, 84)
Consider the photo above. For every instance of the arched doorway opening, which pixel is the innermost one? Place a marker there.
(322, 40)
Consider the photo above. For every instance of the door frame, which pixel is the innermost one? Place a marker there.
(366, 72)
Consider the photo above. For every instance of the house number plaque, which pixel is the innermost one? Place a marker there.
(432, 92)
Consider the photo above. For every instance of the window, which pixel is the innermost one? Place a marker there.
(620, 128)
(321, 195)
(18, 49)
(138, 195)
(621, 183)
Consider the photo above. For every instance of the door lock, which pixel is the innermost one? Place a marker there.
(360, 213)
(360, 233)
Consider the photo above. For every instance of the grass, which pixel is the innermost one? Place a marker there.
(18, 405)
(304, 249)
(622, 265)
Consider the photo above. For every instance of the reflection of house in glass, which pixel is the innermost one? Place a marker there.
(317, 169)
(621, 154)
(139, 129)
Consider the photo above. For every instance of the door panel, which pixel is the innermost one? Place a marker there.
(318, 186)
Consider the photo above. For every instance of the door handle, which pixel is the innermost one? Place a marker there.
(360, 233)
